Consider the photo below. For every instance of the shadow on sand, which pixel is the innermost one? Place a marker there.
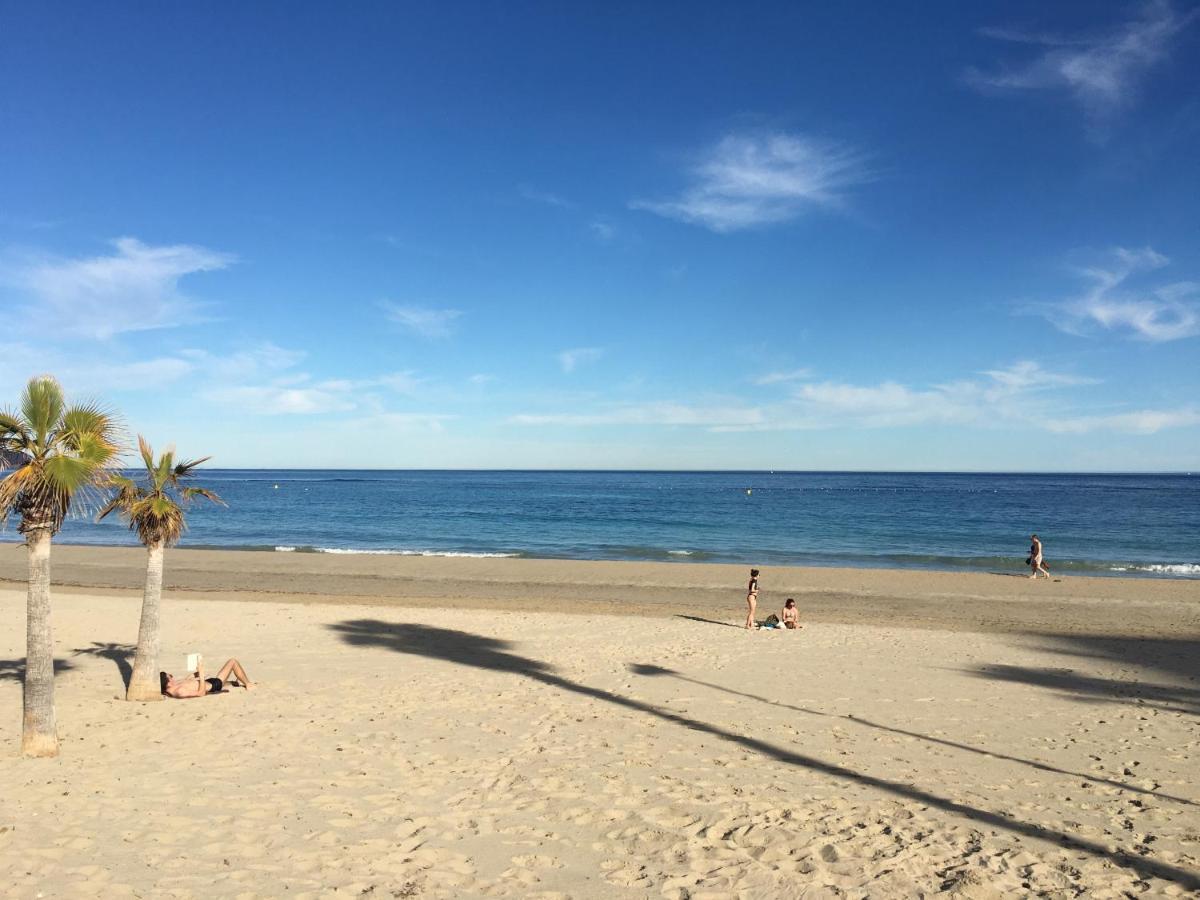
(651, 670)
(495, 654)
(1175, 659)
(14, 669)
(121, 654)
(706, 621)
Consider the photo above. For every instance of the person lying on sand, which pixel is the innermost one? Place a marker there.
(196, 685)
(791, 615)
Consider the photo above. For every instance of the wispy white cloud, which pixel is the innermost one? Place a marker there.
(782, 377)
(136, 288)
(481, 378)
(1142, 421)
(534, 195)
(1023, 393)
(249, 363)
(404, 421)
(749, 180)
(651, 414)
(1028, 375)
(1165, 312)
(1000, 395)
(286, 400)
(602, 229)
(407, 382)
(422, 320)
(570, 360)
(1100, 71)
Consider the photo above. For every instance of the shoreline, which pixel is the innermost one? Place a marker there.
(898, 562)
(927, 599)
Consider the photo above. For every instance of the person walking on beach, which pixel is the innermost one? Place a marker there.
(751, 599)
(1036, 563)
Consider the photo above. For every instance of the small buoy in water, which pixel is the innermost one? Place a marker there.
(276, 487)
(749, 492)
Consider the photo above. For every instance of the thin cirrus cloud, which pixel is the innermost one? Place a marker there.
(547, 198)
(570, 360)
(423, 321)
(661, 414)
(997, 395)
(295, 393)
(134, 288)
(1023, 393)
(1142, 421)
(751, 180)
(1158, 313)
(782, 377)
(1101, 72)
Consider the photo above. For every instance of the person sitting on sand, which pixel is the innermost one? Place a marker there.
(1036, 563)
(751, 598)
(791, 615)
(196, 685)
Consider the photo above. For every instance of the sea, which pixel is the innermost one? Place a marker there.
(1126, 525)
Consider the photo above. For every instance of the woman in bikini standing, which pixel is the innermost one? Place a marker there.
(751, 598)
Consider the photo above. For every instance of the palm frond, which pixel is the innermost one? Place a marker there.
(154, 508)
(13, 487)
(147, 453)
(127, 493)
(190, 493)
(42, 406)
(185, 469)
(88, 419)
(11, 459)
(11, 427)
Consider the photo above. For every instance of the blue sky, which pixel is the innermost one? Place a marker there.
(805, 236)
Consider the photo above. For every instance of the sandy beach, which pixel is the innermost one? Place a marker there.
(528, 728)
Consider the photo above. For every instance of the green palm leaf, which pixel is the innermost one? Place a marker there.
(57, 455)
(154, 506)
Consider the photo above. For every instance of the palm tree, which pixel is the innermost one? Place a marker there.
(54, 454)
(155, 512)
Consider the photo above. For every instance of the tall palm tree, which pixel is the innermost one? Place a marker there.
(54, 454)
(155, 511)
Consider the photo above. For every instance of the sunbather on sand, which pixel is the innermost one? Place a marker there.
(791, 615)
(196, 685)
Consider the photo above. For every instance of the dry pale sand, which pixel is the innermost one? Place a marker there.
(400, 750)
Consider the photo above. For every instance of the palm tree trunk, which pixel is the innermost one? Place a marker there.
(39, 734)
(144, 683)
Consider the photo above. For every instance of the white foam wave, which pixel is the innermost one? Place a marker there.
(353, 551)
(680, 552)
(1170, 569)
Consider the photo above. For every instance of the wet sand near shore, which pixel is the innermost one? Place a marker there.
(955, 601)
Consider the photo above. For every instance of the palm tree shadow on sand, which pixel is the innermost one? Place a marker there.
(653, 671)
(14, 669)
(1175, 660)
(120, 654)
(483, 652)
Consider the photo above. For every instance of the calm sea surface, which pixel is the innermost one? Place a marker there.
(1090, 524)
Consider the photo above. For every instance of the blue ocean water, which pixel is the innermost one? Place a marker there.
(1090, 524)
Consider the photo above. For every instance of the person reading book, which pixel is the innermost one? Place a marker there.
(196, 685)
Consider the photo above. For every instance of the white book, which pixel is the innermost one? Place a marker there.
(193, 662)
